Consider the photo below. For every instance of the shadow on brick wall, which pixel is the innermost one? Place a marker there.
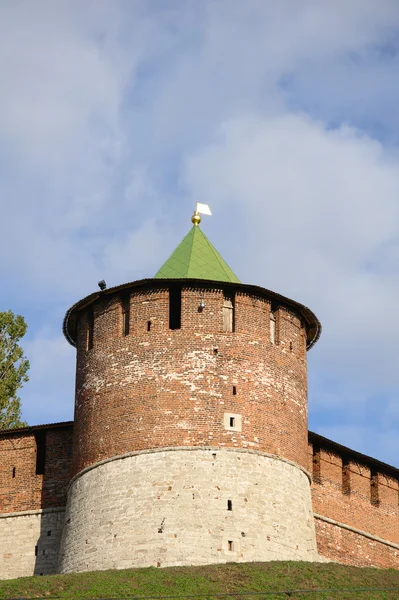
(53, 465)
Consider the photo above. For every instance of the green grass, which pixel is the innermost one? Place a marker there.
(214, 579)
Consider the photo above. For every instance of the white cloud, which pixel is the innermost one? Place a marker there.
(116, 116)
(314, 206)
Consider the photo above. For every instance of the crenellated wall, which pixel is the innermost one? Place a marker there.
(22, 487)
(35, 466)
(356, 503)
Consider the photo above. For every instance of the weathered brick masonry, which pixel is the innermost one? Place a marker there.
(27, 483)
(202, 381)
(189, 444)
(334, 503)
(161, 387)
(361, 493)
(35, 469)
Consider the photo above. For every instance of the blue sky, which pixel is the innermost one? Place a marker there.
(115, 116)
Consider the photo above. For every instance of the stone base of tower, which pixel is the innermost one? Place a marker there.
(29, 542)
(187, 506)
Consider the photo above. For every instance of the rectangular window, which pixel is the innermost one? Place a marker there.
(230, 546)
(316, 465)
(40, 438)
(346, 481)
(374, 491)
(272, 327)
(175, 307)
(229, 505)
(228, 313)
(126, 315)
(90, 328)
(232, 421)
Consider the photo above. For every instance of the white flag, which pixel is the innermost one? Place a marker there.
(203, 209)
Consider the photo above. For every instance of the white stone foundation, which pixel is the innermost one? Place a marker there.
(170, 507)
(26, 546)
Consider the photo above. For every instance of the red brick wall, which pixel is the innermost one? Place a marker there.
(350, 548)
(28, 491)
(167, 387)
(354, 501)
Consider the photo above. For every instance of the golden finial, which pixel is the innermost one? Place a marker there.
(200, 208)
(196, 218)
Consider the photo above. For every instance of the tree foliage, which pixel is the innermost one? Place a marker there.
(13, 369)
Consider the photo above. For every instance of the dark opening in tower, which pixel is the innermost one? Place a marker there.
(40, 439)
(175, 307)
(125, 315)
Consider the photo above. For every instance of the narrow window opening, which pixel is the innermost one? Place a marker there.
(316, 465)
(230, 545)
(13, 472)
(175, 308)
(374, 491)
(36, 550)
(214, 455)
(40, 438)
(291, 346)
(234, 390)
(228, 313)
(232, 422)
(346, 482)
(272, 327)
(148, 325)
(215, 351)
(90, 329)
(126, 315)
(229, 505)
(49, 533)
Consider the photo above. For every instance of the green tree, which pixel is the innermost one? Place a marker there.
(13, 369)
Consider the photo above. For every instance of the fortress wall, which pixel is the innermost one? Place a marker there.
(158, 387)
(170, 507)
(350, 491)
(351, 548)
(21, 488)
(29, 543)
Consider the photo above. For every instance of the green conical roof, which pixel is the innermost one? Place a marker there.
(196, 258)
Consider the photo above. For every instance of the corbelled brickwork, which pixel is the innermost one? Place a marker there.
(188, 506)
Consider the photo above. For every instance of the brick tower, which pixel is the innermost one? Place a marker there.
(190, 433)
